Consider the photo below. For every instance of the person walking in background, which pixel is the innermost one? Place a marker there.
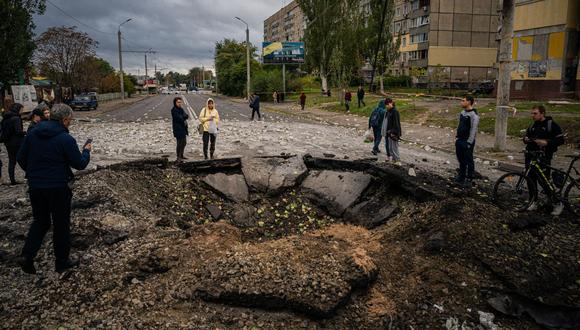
(302, 100)
(12, 135)
(465, 141)
(392, 131)
(376, 123)
(347, 100)
(210, 119)
(179, 124)
(360, 95)
(255, 105)
(275, 97)
(46, 156)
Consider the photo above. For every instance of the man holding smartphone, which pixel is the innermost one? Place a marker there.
(47, 155)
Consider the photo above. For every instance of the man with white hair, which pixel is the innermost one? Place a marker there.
(47, 155)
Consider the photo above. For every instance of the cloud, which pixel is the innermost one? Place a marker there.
(182, 32)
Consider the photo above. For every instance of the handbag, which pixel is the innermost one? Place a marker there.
(200, 126)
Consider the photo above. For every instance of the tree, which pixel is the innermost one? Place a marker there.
(92, 72)
(61, 53)
(321, 35)
(16, 37)
(231, 66)
(388, 49)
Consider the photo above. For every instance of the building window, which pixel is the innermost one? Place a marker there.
(397, 27)
(418, 54)
(404, 41)
(420, 37)
(415, 4)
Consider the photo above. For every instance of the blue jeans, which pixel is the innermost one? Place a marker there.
(378, 137)
(464, 153)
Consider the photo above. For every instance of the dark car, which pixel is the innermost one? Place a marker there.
(82, 102)
(484, 87)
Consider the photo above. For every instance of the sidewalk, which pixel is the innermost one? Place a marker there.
(423, 136)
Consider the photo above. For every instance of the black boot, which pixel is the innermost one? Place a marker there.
(27, 265)
(70, 263)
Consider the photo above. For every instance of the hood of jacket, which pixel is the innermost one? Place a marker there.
(48, 129)
(207, 103)
(381, 104)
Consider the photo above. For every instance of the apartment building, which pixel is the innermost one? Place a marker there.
(447, 40)
(546, 49)
(287, 24)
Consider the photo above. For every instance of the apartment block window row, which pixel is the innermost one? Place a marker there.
(418, 54)
(419, 37)
(419, 21)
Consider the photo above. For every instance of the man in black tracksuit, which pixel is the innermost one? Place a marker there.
(542, 135)
(465, 140)
(255, 105)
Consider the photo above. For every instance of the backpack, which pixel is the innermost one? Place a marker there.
(375, 118)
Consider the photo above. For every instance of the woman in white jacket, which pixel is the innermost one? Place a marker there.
(210, 119)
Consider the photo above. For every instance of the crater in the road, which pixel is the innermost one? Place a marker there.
(290, 241)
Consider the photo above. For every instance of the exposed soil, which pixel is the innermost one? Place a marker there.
(161, 249)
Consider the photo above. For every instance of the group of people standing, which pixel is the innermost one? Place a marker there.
(385, 121)
(209, 120)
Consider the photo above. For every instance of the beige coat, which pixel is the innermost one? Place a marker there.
(205, 116)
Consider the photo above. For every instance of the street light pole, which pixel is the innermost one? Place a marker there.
(121, 60)
(247, 57)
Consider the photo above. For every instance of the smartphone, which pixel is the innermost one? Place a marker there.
(89, 141)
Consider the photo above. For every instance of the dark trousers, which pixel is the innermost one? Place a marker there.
(207, 138)
(535, 176)
(378, 138)
(347, 104)
(180, 149)
(12, 152)
(302, 105)
(464, 154)
(256, 110)
(47, 204)
(361, 100)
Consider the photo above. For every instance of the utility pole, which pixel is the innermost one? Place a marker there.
(121, 60)
(247, 57)
(504, 79)
(148, 51)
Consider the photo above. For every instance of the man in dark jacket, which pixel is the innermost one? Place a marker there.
(179, 123)
(543, 135)
(392, 131)
(255, 105)
(12, 135)
(47, 156)
(376, 123)
(347, 100)
(36, 117)
(465, 140)
(360, 95)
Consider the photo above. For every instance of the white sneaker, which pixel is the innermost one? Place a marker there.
(533, 206)
(558, 208)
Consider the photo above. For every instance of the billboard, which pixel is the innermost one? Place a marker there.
(25, 95)
(283, 52)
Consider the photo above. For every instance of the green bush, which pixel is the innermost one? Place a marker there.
(397, 81)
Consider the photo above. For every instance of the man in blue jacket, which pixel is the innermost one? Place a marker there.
(47, 155)
(255, 105)
(179, 124)
(376, 123)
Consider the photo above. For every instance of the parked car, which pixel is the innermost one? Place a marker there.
(484, 87)
(84, 101)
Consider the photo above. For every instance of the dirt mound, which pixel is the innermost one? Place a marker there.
(313, 274)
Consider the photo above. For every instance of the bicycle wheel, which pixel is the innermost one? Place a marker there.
(514, 191)
(572, 198)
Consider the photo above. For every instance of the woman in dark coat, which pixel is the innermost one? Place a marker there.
(12, 135)
(179, 122)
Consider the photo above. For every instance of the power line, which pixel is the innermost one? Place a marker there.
(77, 20)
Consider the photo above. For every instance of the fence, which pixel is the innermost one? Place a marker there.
(109, 97)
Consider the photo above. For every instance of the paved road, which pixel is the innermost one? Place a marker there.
(159, 107)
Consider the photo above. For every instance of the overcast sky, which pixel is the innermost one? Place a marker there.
(183, 32)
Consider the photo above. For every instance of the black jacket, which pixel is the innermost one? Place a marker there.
(545, 130)
(179, 122)
(47, 155)
(392, 123)
(255, 104)
(468, 125)
(12, 131)
(360, 93)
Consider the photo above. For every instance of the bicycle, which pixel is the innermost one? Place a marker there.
(517, 190)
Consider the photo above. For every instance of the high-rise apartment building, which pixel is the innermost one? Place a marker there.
(287, 24)
(448, 40)
(545, 50)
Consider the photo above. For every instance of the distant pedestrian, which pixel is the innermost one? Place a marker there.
(360, 95)
(210, 118)
(46, 156)
(392, 132)
(180, 130)
(465, 140)
(302, 100)
(38, 115)
(255, 105)
(347, 100)
(376, 123)
(12, 135)
(275, 97)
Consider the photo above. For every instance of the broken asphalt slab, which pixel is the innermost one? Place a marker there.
(272, 175)
(233, 187)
